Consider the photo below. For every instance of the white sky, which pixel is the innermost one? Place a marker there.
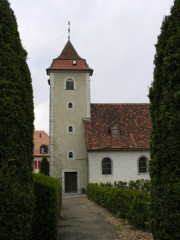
(116, 38)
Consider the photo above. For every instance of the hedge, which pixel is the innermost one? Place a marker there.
(48, 200)
(123, 202)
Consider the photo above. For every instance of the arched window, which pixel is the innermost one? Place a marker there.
(70, 129)
(70, 155)
(143, 165)
(70, 105)
(69, 84)
(43, 149)
(106, 166)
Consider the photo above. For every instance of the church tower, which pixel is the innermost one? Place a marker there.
(69, 105)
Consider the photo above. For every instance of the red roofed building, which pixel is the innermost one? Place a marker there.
(41, 148)
(92, 142)
(119, 134)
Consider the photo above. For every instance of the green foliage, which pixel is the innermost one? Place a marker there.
(165, 136)
(44, 166)
(48, 201)
(123, 202)
(120, 184)
(16, 131)
(15, 205)
(140, 184)
(139, 212)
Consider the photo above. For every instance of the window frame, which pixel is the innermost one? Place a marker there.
(115, 132)
(70, 127)
(36, 164)
(43, 149)
(70, 157)
(72, 82)
(106, 170)
(145, 167)
(72, 104)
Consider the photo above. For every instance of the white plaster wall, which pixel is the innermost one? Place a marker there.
(124, 166)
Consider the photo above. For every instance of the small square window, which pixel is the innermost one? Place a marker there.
(74, 62)
(115, 132)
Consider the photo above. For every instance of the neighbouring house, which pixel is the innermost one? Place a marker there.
(92, 142)
(41, 148)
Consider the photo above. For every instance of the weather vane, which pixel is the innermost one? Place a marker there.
(68, 30)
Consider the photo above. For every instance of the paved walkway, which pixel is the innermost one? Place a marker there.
(80, 221)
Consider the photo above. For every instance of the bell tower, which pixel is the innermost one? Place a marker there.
(69, 105)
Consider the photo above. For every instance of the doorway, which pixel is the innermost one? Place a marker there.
(70, 182)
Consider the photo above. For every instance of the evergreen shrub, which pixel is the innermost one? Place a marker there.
(48, 201)
(164, 97)
(44, 166)
(139, 211)
(123, 202)
(16, 132)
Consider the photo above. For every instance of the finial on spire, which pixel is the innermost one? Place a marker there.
(69, 30)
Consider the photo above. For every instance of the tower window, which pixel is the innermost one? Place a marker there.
(69, 84)
(70, 155)
(74, 62)
(70, 105)
(70, 129)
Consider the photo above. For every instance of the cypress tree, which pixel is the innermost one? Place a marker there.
(164, 97)
(16, 131)
(44, 166)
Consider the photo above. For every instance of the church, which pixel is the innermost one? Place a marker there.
(89, 142)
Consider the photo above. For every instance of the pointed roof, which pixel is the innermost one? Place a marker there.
(69, 60)
(69, 52)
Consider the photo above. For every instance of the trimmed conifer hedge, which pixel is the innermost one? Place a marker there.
(16, 132)
(48, 201)
(164, 97)
(123, 202)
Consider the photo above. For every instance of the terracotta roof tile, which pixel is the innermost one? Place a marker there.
(69, 52)
(131, 120)
(65, 60)
(40, 138)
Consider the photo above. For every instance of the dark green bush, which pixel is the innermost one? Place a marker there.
(44, 166)
(164, 97)
(48, 200)
(139, 212)
(119, 201)
(126, 203)
(16, 132)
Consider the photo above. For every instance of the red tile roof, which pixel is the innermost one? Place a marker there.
(69, 52)
(132, 121)
(40, 138)
(65, 60)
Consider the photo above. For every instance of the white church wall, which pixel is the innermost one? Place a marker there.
(124, 166)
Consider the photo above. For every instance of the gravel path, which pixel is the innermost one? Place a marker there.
(84, 220)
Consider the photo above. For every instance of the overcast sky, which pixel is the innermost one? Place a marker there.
(116, 38)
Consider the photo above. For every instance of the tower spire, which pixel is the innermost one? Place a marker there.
(69, 30)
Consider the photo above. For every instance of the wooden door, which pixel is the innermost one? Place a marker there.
(70, 182)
